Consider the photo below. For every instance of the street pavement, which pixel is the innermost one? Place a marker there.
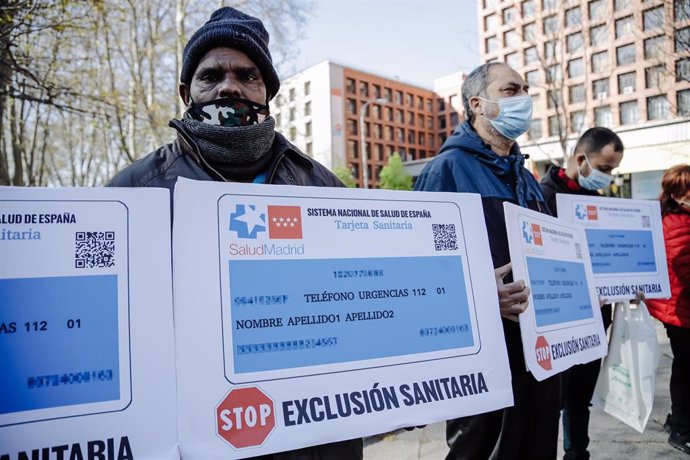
(610, 438)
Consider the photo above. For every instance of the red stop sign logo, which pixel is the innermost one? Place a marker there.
(543, 353)
(245, 417)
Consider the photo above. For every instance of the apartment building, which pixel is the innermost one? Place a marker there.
(623, 64)
(319, 111)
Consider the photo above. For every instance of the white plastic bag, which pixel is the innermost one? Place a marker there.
(625, 388)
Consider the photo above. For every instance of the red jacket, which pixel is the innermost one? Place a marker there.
(676, 310)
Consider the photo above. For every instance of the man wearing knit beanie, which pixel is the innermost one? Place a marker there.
(227, 134)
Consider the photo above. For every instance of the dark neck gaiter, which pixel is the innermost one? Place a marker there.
(238, 153)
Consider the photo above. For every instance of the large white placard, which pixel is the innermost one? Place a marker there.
(626, 244)
(309, 315)
(86, 337)
(562, 325)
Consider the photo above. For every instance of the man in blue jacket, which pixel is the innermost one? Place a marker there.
(483, 157)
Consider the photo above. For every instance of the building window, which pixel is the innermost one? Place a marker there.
(554, 73)
(410, 100)
(411, 137)
(513, 60)
(574, 42)
(625, 26)
(307, 108)
(529, 32)
(602, 116)
(388, 94)
(577, 121)
(683, 69)
(535, 129)
(352, 127)
(625, 54)
(598, 35)
(350, 86)
(398, 116)
(573, 17)
(550, 25)
(653, 18)
(654, 76)
(654, 47)
(307, 128)
(400, 135)
(620, 5)
(442, 122)
(683, 102)
(576, 67)
(657, 108)
(420, 102)
(531, 55)
(600, 89)
(441, 103)
(389, 133)
(555, 126)
(626, 83)
(377, 91)
(491, 22)
(576, 93)
(628, 113)
(532, 78)
(554, 98)
(430, 122)
(279, 119)
(509, 15)
(681, 10)
(293, 134)
(310, 150)
(292, 94)
(292, 114)
(364, 89)
(600, 62)
(597, 10)
(377, 111)
(491, 45)
(378, 131)
(549, 5)
(352, 106)
(682, 39)
(528, 9)
(307, 88)
(398, 96)
(410, 118)
(552, 50)
(511, 39)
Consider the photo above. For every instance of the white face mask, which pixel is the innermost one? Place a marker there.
(596, 179)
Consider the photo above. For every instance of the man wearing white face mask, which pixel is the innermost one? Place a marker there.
(483, 157)
(598, 152)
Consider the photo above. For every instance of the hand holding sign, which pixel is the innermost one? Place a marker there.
(512, 297)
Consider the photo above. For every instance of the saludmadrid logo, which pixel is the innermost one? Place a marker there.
(252, 222)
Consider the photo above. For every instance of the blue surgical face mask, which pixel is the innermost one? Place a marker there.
(596, 179)
(514, 117)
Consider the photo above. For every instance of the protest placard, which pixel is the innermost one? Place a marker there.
(86, 334)
(310, 315)
(626, 244)
(562, 325)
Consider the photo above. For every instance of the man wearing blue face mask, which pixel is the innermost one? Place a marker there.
(598, 152)
(482, 157)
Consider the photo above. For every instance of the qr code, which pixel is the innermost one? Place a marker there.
(646, 223)
(94, 249)
(445, 238)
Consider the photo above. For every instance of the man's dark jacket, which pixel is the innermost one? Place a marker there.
(182, 158)
(552, 184)
(529, 429)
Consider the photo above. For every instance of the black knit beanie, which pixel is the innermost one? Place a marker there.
(234, 29)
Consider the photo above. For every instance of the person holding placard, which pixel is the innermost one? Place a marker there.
(483, 157)
(227, 134)
(598, 152)
(675, 312)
